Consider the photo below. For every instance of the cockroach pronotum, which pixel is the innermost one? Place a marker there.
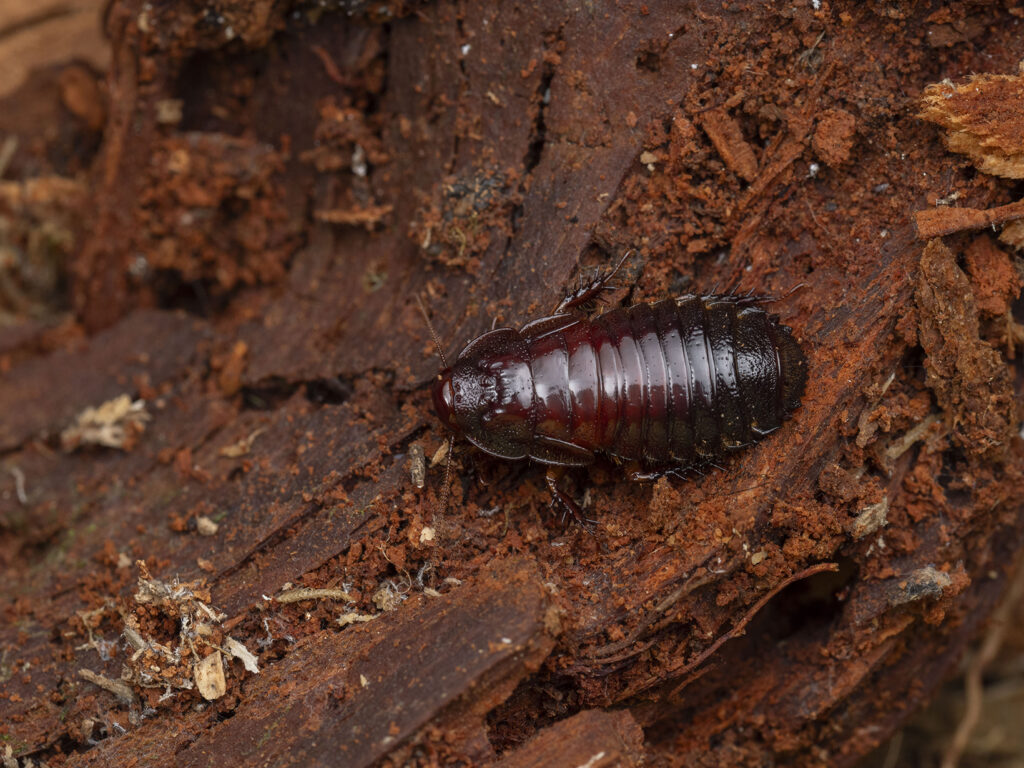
(665, 386)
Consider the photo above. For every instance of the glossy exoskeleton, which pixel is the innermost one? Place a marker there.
(665, 386)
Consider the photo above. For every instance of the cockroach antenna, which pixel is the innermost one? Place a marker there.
(433, 333)
(516, 394)
(451, 442)
(446, 493)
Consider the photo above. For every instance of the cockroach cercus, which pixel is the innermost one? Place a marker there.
(662, 387)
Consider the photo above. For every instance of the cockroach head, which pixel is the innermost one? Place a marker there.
(487, 395)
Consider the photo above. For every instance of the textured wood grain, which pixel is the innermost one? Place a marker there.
(502, 149)
(592, 738)
(35, 35)
(356, 695)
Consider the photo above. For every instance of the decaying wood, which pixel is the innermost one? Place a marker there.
(982, 117)
(936, 222)
(41, 34)
(271, 193)
(591, 738)
(727, 137)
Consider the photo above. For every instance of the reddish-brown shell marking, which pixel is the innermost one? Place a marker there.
(667, 385)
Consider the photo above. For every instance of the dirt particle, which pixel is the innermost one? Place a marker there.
(169, 111)
(833, 137)
(994, 279)
(205, 526)
(230, 367)
(927, 582)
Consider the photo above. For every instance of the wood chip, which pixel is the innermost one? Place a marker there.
(727, 137)
(354, 618)
(308, 593)
(870, 519)
(984, 119)
(417, 465)
(368, 217)
(243, 654)
(40, 34)
(936, 222)
(209, 677)
(119, 688)
(117, 423)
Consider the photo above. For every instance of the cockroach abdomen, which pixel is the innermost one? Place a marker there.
(666, 385)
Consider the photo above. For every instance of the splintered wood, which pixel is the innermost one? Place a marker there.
(117, 423)
(984, 119)
(968, 377)
(727, 137)
(590, 738)
(936, 222)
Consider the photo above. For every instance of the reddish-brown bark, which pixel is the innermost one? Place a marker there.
(275, 185)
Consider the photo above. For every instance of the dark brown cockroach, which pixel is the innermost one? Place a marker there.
(665, 386)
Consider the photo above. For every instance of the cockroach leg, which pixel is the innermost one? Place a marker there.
(684, 472)
(646, 475)
(592, 289)
(567, 387)
(561, 499)
(751, 299)
(643, 476)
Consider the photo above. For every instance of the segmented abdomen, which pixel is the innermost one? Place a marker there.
(667, 384)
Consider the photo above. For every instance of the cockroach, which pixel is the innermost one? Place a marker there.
(664, 386)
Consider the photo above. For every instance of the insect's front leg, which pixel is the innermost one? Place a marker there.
(561, 499)
(591, 290)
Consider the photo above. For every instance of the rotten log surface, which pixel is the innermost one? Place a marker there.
(481, 155)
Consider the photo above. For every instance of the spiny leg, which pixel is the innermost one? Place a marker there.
(565, 501)
(751, 299)
(684, 472)
(590, 290)
(644, 476)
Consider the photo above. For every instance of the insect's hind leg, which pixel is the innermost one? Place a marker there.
(751, 299)
(642, 473)
(589, 291)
